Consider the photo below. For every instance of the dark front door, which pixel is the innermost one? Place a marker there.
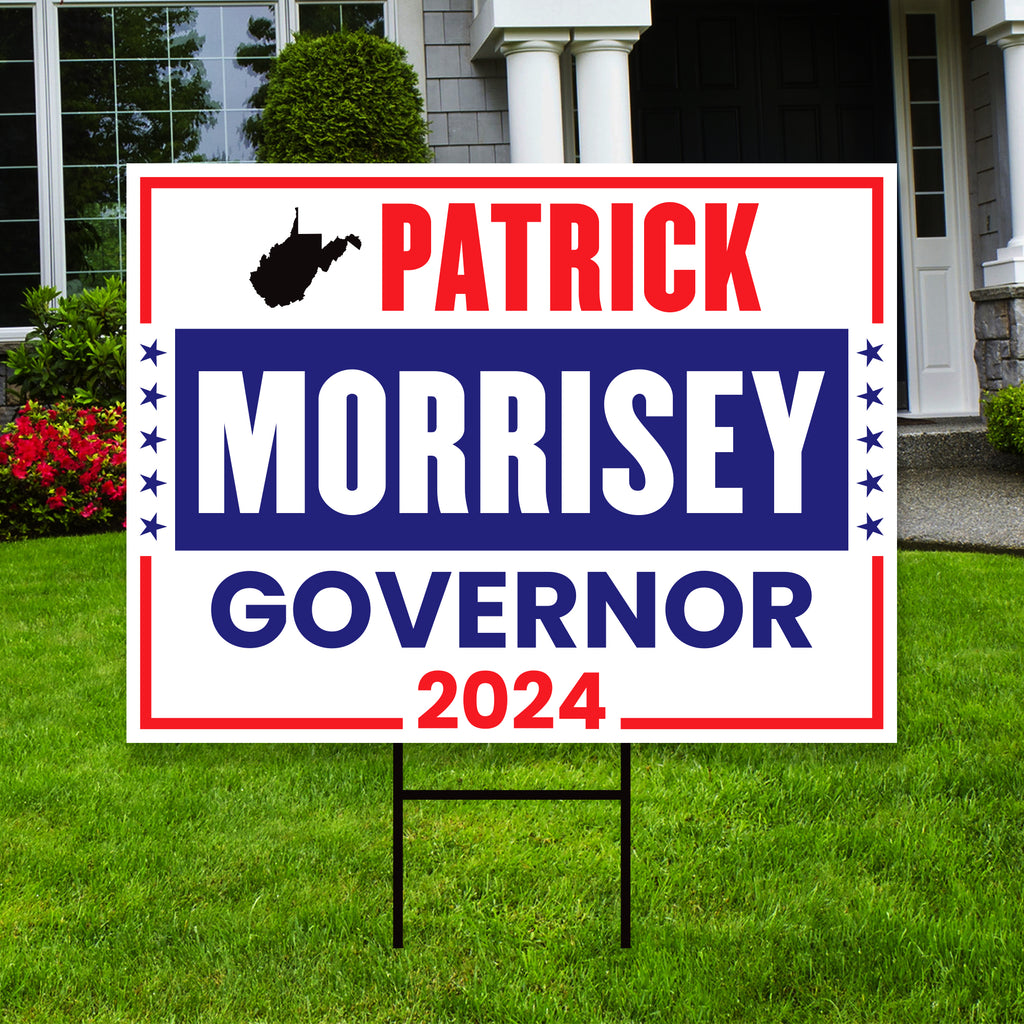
(769, 82)
(764, 81)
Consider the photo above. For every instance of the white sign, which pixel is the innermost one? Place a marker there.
(515, 454)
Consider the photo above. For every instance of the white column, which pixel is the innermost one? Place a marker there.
(602, 99)
(534, 100)
(531, 34)
(1002, 23)
(1013, 70)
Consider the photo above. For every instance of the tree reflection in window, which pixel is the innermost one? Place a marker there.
(148, 84)
(254, 56)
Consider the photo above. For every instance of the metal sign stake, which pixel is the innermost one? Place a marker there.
(400, 794)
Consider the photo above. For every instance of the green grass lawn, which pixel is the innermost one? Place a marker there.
(253, 883)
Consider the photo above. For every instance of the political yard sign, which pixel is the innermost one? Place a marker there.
(515, 454)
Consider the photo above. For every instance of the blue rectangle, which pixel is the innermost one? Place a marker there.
(821, 524)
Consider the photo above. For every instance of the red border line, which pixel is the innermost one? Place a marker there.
(875, 721)
(875, 184)
(878, 639)
(146, 719)
(146, 639)
(877, 252)
(146, 251)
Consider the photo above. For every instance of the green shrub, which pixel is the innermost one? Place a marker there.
(347, 97)
(62, 471)
(1004, 411)
(76, 349)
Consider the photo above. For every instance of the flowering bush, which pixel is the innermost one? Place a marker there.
(62, 471)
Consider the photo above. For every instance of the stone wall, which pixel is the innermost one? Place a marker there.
(7, 410)
(999, 336)
(467, 102)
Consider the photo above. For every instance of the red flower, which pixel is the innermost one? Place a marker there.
(52, 461)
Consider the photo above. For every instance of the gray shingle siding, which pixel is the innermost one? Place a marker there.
(467, 102)
(987, 160)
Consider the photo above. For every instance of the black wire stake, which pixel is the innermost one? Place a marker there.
(400, 794)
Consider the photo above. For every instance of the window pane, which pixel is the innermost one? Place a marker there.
(142, 84)
(19, 182)
(199, 137)
(87, 85)
(17, 88)
(195, 31)
(239, 125)
(197, 84)
(88, 191)
(19, 193)
(238, 24)
(20, 251)
(319, 19)
(924, 79)
(140, 32)
(244, 81)
(931, 216)
(260, 36)
(15, 34)
(153, 92)
(925, 127)
(245, 77)
(921, 35)
(323, 19)
(18, 141)
(93, 213)
(144, 137)
(12, 295)
(94, 245)
(85, 33)
(190, 133)
(89, 139)
(368, 17)
(928, 170)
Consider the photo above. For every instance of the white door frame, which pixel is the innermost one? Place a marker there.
(937, 272)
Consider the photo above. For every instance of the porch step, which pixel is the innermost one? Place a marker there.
(949, 443)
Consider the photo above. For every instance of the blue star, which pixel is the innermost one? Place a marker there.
(152, 483)
(870, 527)
(871, 440)
(152, 352)
(871, 352)
(152, 396)
(870, 395)
(871, 483)
(150, 526)
(151, 439)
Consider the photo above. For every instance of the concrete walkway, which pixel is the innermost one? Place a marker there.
(955, 491)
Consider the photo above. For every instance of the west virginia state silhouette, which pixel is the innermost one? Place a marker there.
(286, 271)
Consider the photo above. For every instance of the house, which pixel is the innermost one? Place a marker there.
(936, 85)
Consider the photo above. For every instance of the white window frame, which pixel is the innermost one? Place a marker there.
(403, 22)
(941, 376)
